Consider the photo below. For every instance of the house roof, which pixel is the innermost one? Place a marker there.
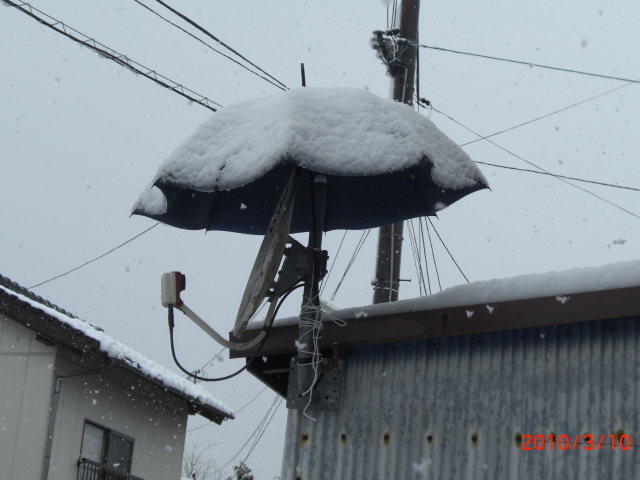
(583, 294)
(62, 327)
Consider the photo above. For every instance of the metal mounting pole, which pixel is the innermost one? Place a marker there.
(389, 252)
(311, 299)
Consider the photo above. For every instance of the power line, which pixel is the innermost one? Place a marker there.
(113, 55)
(417, 260)
(251, 401)
(528, 63)
(255, 444)
(201, 369)
(433, 255)
(97, 258)
(424, 251)
(547, 115)
(561, 176)
(363, 238)
(210, 35)
(234, 413)
(445, 247)
(207, 45)
(198, 428)
(540, 168)
(255, 432)
(326, 279)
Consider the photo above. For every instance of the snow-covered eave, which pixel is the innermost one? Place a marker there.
(554, 298)
(48, 322)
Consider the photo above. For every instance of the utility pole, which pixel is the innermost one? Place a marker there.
(387, 279)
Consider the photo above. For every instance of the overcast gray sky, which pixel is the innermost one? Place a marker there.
(80, 136)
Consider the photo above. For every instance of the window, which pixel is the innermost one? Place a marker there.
(106, 447)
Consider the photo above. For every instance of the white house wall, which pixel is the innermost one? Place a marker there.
(120, 401)
(26, 375)
(455, 407)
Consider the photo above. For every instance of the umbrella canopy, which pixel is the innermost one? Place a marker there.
(383, 162)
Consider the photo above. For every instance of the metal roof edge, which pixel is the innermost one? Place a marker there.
(67, 336)
(468, 319)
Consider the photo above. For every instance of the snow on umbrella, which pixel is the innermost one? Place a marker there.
(383, 163)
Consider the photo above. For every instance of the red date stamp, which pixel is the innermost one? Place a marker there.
(584, 442)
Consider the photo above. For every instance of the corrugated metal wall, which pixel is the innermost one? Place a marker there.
(457, 408)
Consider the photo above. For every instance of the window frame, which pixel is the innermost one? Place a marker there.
(105, 443)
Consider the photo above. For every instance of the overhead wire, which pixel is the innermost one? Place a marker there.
(433, 255)
(257, 440)
(208, 46)
(417, 260)
(530, 64)
(201, 369)
(210, 35)
(359, 245)
(445, 247)
(394, 20)
(95, 259)
(234, 413)
(416, 264)
(560, 176)
(540, 168)
(252, 400)
(111, 54)
(547, 115)
(258, 428)
(326, 279)
(424, 251)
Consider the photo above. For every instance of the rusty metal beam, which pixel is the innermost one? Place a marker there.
(440, 322)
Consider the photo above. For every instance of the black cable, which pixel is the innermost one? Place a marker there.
(417, 260)
(424, 251)
(418, 69)
(326, 279)
(364, 236)
(251, 401)
(528, 63)
(445, 247)
(255, 432)
(388, 16)
(203, 379)
(433, 255)
(540, 168)
(262, 433)
(560, 176)
(97, 258)
(116, 57)
(207, 45)
(210, 35)
(394, 16)
(413, 251)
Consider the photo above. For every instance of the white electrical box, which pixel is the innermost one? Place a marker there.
(172, 284)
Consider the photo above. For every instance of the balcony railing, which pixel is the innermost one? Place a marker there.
(88, 470)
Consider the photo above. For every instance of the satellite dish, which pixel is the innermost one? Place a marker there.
(261, 278)
(269, 256)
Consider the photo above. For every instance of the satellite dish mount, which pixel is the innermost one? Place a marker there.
(302, 264)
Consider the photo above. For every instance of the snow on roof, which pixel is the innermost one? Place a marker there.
(535, 285)
(338, 131)
(117, 350)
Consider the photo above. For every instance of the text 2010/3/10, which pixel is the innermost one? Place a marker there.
(585, 442)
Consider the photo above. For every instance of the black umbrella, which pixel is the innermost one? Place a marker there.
(397, 164)
(353, 160)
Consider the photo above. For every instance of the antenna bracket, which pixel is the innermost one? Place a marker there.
(326, 390)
